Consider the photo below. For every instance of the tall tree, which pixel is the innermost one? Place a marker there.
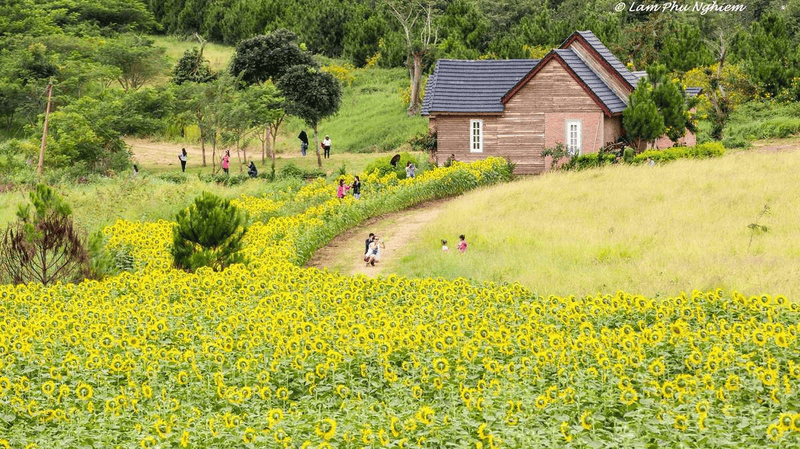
(268, 57)
(266, 110)
(641, 118)
(193, 67)
(138, 60)
(768, 54)
(417, 18)
(312, 95)
(670, 101)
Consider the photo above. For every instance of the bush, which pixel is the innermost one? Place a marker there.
(736, 142)
(175, 178)
(225, 179)
(591, 160)
(704, 150)
(291, 170)
(209, 233)
(44, 247)
(383, 165)
(426, 142)
(627, 154)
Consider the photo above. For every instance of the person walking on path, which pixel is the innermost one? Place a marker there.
(326, 146)
(303, 142)
(462, 245)
(182, 157)
(373, 254)
(226, 160)
(342, 190)
(356, 186)
(366, 246)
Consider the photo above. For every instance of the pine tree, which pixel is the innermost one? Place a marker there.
(670, 102)
(43, 246)
(209, 233)
(641, 118)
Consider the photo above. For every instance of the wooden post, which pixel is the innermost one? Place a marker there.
(40, 167)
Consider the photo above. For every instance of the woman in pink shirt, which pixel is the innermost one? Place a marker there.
(342, 189)
(462, 245)
(226, 161)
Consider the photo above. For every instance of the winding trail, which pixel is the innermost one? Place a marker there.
(397, 230)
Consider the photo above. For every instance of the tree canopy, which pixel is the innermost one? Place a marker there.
(268, 57)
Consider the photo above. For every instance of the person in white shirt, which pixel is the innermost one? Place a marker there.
(326, 147)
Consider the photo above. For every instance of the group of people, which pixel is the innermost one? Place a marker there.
(462, 244)
(372, 249)
(225, 162)
(343, 188)
(325, 145)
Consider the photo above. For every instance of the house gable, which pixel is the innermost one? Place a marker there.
(605, 98)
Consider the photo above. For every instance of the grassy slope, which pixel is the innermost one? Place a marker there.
(650, 230)
(372, 116)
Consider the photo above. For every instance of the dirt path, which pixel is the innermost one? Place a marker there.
(344, 254)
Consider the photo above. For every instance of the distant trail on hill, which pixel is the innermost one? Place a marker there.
(345, 253)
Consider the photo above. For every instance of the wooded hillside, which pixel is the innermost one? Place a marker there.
(99, 57)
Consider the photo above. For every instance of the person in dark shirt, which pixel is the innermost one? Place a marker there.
(252, 170)
(356, 186)
(366, 245)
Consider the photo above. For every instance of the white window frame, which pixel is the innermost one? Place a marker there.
(476, 139)
(575, 149)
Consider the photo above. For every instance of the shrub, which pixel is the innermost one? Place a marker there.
(291, 170)
(736, 142)
(224, 179)
(383, 165)
(208, 234)
(704, 150)
(175, 178)
(591, 160)
(426, 142)
(44, 247)
(627, 154)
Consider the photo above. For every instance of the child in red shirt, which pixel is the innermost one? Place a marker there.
(462, 245)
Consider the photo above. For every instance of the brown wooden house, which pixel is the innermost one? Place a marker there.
(575, 95)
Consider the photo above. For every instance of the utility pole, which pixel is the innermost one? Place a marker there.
(40, 167)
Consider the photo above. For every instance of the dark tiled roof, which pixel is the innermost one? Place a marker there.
(472, 86)
(692, 91)
(609, 57)
(594, 82)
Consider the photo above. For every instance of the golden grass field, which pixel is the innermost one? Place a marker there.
(650, 230)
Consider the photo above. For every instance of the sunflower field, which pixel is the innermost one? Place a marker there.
(275, 355)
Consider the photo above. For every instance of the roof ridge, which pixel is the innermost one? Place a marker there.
(600, 48)
(588, 66)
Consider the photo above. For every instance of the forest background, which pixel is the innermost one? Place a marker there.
(113, 81)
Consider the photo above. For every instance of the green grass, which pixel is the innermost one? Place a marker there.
(218, 55)
(353, 163)
(372, 116)
(761, 120)
(149, 198)
(650, 230)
